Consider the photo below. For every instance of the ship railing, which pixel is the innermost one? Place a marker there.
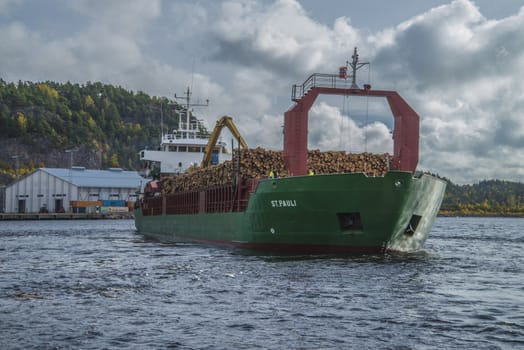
(246, 191)
(183, 203)
(219, 199)
(189, 135)
(152, 206)
(242, 205)
(319, 80)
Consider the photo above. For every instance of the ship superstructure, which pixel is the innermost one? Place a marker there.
(183, 147)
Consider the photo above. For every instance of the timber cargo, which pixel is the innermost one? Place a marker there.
(261, 163)
(297, 200)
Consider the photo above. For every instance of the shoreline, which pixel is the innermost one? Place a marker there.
(64, 216)
(129, 216)
(481, 215)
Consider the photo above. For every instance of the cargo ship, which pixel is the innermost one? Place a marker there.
(300, 211)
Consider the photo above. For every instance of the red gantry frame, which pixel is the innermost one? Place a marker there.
(406, 120)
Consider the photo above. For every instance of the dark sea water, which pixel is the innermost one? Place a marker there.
(100, 285)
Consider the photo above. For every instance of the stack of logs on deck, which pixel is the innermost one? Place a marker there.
(259, 162)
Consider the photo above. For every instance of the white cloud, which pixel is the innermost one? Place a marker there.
(458, 70)
(279, 37)
(330, 130)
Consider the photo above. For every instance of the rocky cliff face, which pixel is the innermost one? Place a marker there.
(39, 154)
(43, 156)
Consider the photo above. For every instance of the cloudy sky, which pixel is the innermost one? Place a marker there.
(459, 63)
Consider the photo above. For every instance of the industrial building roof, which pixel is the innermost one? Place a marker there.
(113, 177)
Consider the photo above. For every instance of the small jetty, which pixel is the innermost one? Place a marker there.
(65, 216)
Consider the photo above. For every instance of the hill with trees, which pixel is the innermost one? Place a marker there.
(487, 198)
(107, 125)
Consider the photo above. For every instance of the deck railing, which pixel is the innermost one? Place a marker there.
(220, 199)
(319, 80)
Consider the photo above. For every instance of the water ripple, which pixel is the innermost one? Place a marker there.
(97, 284)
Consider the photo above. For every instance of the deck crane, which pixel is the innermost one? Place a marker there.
(220, 124)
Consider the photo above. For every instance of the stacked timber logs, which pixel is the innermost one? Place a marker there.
(259, 163)
(199, 178)
(342, 162)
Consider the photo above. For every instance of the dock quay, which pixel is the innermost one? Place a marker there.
(65, 216)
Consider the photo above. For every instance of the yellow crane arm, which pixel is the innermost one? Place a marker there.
(223, 121)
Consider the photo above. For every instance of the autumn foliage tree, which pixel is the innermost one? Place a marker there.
(106, 124)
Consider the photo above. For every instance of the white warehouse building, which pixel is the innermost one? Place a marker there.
(59, 190)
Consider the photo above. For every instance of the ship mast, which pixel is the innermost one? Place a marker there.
(184, 120)
(355, 65)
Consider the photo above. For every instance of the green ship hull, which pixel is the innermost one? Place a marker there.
(331, 213)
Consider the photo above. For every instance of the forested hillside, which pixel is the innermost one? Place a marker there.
(490, 197)
(105, 125)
